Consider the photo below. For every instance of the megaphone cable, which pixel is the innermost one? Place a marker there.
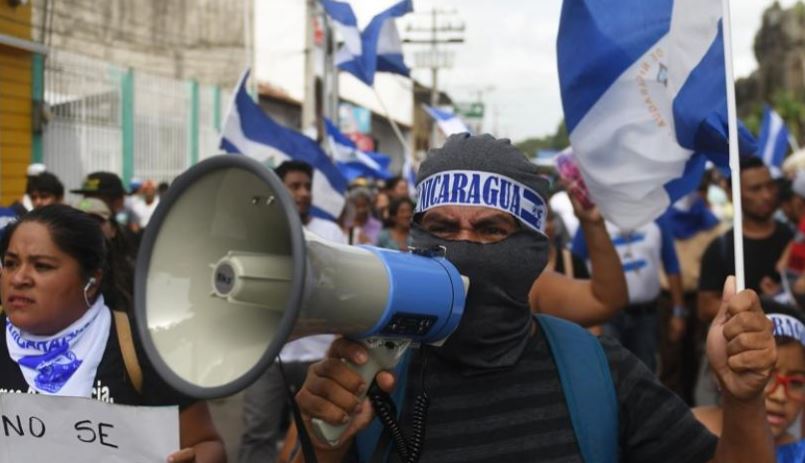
(302, 434)
(409, 450)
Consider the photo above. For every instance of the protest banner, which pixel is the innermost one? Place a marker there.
(38, 428)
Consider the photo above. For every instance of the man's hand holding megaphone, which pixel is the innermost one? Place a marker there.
(332, 392)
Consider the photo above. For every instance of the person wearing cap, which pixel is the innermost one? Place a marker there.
(493, 387)
(108, 187)
(105, 186)
(99, 211)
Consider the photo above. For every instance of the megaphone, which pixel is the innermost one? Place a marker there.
(226, 275)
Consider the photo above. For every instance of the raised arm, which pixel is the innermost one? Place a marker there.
(586, 302)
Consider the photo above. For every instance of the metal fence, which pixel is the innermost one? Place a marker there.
(104, 117)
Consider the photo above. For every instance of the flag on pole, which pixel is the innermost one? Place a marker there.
(248, 130)
(351, 161)
(773, 142)
(448, 122)
(377, 48)
(643, 86)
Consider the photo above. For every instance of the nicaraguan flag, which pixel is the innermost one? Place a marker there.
(448, 122)
(644, 93)
(248, 130)
(773, 143)
(351, 161)
(344, 20)
(377, 48)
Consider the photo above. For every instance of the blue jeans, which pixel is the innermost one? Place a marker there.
(636, 329)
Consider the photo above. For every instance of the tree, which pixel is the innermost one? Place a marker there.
(557, 141)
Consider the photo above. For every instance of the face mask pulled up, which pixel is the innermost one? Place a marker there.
(496, 324)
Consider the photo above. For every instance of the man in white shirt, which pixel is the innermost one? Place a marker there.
(265, 401)
(642, 252)
(146, 203)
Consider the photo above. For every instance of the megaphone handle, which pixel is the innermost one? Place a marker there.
(383, 355)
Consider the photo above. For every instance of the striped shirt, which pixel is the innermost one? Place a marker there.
(519, 414)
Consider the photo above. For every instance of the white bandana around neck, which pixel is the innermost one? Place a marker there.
(477, 188)
(63, 364)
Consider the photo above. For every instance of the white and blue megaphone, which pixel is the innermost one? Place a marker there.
(226, 275)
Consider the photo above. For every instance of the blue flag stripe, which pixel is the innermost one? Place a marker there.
(250, 131)
(773, 143)
(258, 127)
(340, 11)
(610, 45)
(365, 65)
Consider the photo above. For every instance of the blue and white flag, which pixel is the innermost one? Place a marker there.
(773, 143)
(449, 123)
(377, 48)
(248, 130)
(351, 161)
(644, 93)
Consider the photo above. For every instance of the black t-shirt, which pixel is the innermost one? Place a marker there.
(112, 383)
(519, 414)
(760, 258)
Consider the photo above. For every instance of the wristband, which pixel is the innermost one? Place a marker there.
(680, 311)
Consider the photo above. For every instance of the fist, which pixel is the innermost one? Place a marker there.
(740, 344)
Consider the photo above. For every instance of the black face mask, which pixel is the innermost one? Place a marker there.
(496, 324)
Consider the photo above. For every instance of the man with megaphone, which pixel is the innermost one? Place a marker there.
(508, 387)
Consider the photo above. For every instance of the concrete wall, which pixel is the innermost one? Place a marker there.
(181, 39)
(15, 103)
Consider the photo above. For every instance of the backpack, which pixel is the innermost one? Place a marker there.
(586, 381)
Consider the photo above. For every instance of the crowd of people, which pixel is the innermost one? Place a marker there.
(676, 335)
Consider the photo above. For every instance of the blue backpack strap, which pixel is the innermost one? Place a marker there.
(588, 388)
(366, 440)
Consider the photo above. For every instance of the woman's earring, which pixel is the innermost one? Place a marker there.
(86, 288)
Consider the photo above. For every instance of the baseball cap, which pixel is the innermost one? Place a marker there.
(101, 183)
(94, 206)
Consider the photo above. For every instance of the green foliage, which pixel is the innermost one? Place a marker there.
(791, 109)
(558, 141)
(753, 118)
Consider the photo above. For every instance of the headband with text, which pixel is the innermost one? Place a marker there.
(788, 326)
(487, 189)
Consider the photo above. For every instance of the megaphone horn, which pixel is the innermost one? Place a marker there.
(226, 275)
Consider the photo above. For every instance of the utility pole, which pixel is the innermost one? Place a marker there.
(434, 58)
(309, 102)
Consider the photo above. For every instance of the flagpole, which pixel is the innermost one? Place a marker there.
(393, 123)
(735, 167)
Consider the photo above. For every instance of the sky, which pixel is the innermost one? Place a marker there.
(509, 54)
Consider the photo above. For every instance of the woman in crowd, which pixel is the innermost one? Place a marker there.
(785, 392)
(397, 234)
(359, 225)
(52, 281)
